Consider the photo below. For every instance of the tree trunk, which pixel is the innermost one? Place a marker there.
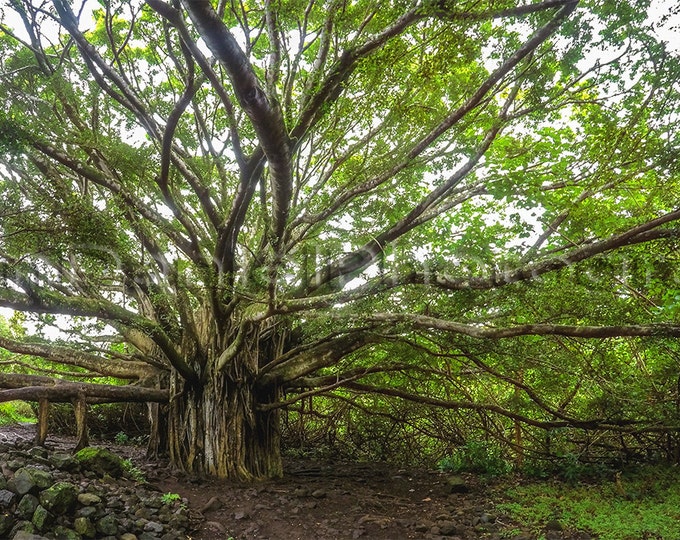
(215, 428)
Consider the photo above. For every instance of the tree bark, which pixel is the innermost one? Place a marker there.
(80, 410)
(43, 419)
(216, 429)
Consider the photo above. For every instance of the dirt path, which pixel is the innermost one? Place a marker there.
(330, 501)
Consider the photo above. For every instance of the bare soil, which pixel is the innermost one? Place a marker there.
(324, 500)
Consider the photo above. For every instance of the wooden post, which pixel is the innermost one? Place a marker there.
(80, 409)
(43, 417)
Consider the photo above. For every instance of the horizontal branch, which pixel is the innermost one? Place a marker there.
(591, 424)
(482, 332)
(73, 357)
(61, 391)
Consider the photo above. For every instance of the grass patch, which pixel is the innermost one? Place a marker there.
(644, 503)
(15, 412)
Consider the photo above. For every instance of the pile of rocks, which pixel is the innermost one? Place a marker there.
(58, 496)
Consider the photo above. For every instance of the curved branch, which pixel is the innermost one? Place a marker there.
(482, 332)
(263, 111)
(593, 424)
(73, 357)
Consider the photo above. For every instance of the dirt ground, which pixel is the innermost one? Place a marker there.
(327, 501)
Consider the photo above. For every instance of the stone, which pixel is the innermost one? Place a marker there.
(148, 536)
(42, 518)
(107, 525)
(64, 533)
(84, 527)
(22, 526)
(60, 498)
(31, 480)
(100, 461)
(153, 527)
(319, 494)
(23, 535)
(38, 451)
(64, 462)
(15, 464)
(6, 523)
(7, 498)
(89, 499)
(128, 536)
(86, 512)
(447, 528)
(27, 506)
(456, 484)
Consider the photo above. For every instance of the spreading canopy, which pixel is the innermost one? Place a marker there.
(323, 195)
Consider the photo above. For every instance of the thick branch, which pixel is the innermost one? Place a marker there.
(596, 423)
(61, 391)
(72, 357)
(264, 114)
(481, 332)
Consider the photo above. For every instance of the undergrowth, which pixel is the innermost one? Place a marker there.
(643, 503)
(14, 412)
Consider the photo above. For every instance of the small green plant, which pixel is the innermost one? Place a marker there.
(169, 498)
(476, 457)
(132, 471)
(121, 438)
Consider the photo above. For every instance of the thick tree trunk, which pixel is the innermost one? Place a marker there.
(215, 429)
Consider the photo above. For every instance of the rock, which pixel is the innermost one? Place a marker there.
(85, 527)
(89, 499)
(148, 536)
(23, 535)
(107, 525)
(60, 498)
(42, 518)
(100, 461)
(86, 512)
(456, 484)
(319, 494)
(7, 498)
(30, 480)
(38, 451)
(153, 527)
(64, 533)
(128, 536)
(64, 462)
(301, 492)
(447, 528)
(22, 526)
(14, 464)
(6, 523)
(27, 506)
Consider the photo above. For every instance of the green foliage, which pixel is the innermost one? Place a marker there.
(476, 457)
(430, 177)
(133, 471)
(642, 504)
(169, 498)
(14, 412)
(121, 438)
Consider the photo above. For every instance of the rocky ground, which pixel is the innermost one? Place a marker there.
(312, 501)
